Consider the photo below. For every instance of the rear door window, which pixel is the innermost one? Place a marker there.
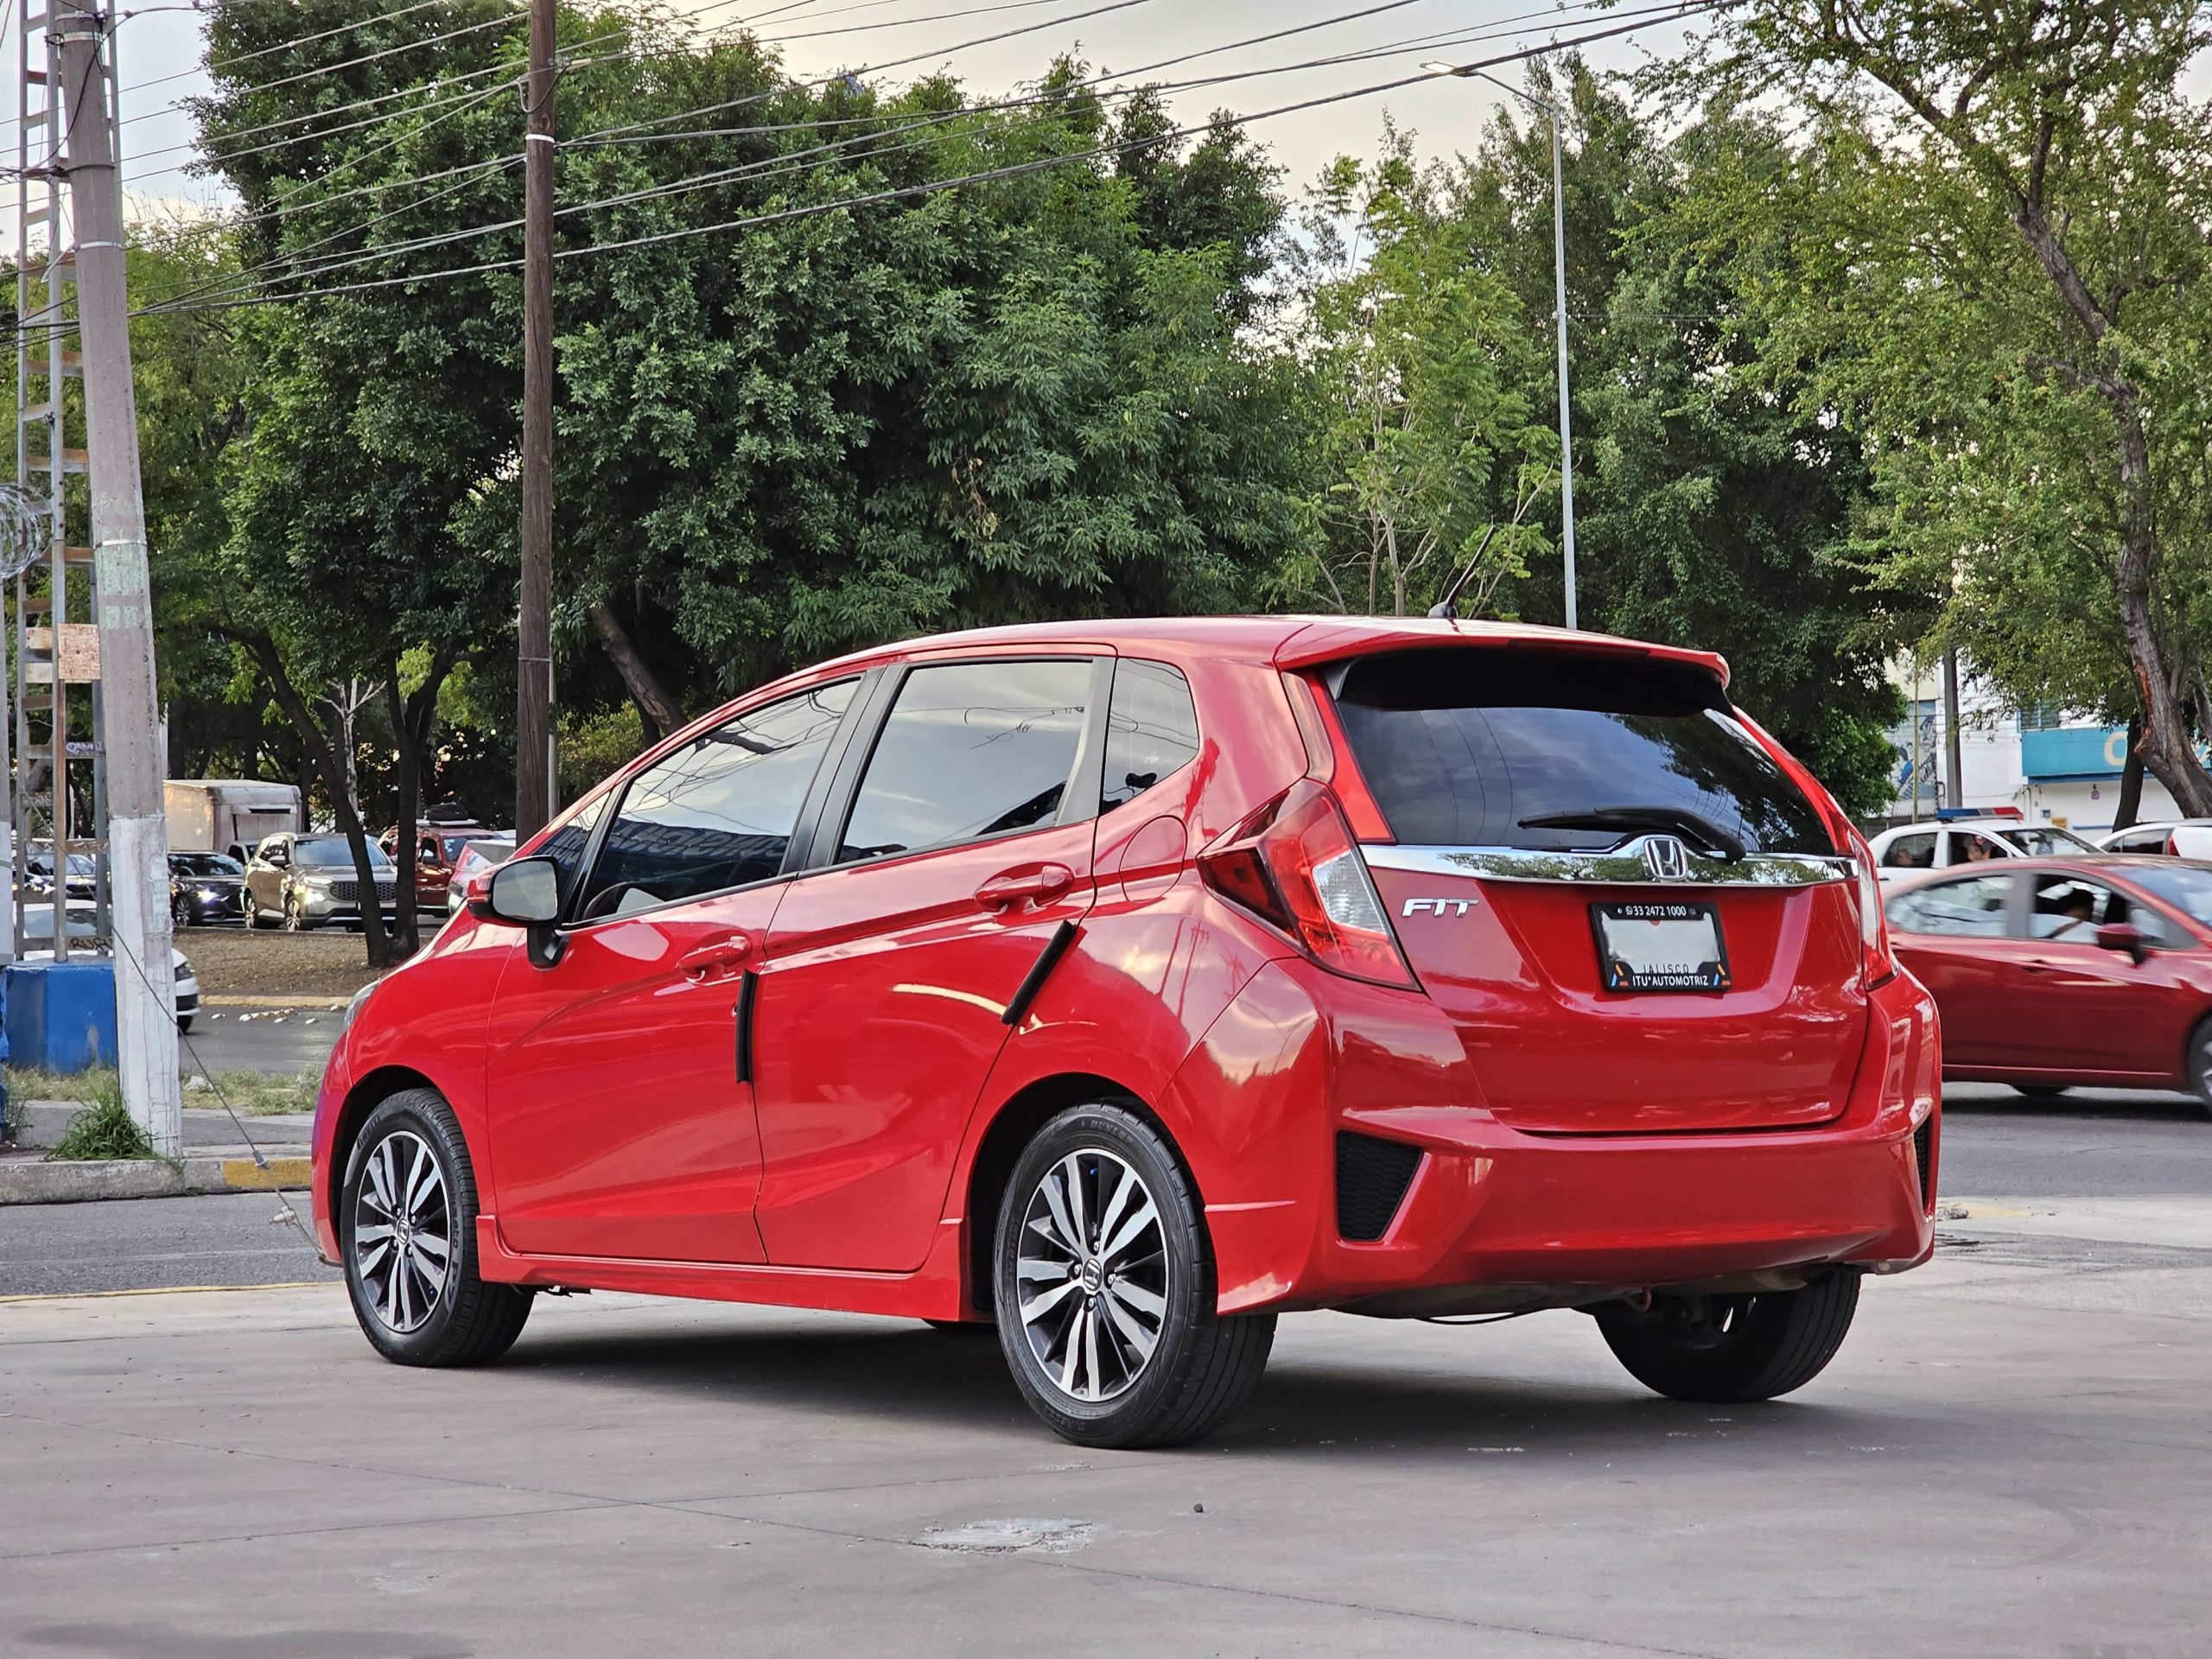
(969, 750)
(719, 812)
(1484, 747)
(1152, 730)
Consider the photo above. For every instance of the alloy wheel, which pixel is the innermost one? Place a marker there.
(402, 1230)
(1092, 1275)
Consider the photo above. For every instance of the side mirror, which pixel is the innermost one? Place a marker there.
(2124, 936)
(527, 891)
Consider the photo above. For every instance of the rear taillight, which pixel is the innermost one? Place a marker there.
(1294, 863)
(1873, 926)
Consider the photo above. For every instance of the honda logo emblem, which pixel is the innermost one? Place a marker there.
(1666, 858)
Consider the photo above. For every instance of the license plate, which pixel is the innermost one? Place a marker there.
(1651, 946)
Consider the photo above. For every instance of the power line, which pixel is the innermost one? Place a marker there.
(790, 162)
(933, 186)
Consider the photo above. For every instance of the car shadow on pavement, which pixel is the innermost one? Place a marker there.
(2128, 1104)
(939, 1381)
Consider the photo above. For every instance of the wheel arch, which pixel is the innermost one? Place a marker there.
(368, 1093)
(1010, 1127)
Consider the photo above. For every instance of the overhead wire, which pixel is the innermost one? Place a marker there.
(936, 186)
(792, 162)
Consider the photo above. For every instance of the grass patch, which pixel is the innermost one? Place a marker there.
(249, 1093)
(103, 1130)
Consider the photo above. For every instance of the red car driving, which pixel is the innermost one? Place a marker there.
(1129, 984)
(2052, 972)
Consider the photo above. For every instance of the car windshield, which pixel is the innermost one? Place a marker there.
(2046, 840)
(2187, 888)
(205, 864)
(328, 852)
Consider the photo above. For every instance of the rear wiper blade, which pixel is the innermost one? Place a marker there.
(1644, 817)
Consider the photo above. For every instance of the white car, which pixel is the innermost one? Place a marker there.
(1911, 847)
(2175, 837)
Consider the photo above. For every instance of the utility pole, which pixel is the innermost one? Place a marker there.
(146, 989)
(1953, 770)
(534, 624)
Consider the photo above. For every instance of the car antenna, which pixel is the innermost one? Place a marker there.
(1447, 608)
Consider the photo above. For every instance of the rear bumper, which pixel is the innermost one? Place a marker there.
(1495, 1217)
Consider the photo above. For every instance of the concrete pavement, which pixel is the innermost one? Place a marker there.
(2009, 1458)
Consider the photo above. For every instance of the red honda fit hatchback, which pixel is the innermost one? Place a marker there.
(1126, 984)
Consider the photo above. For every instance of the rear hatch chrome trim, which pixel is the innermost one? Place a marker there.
(1629, 863)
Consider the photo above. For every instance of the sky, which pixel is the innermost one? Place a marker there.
(892, 41)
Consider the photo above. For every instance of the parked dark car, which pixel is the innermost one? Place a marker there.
(205, 888)
(82, 881)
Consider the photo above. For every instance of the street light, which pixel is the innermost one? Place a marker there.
(1464, 71)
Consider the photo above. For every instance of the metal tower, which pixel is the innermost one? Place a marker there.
(56, 641)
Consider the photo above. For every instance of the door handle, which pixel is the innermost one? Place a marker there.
(706, 959)
(1040, 883)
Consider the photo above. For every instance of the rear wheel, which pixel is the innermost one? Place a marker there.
(2200, 1062)
(1104, 1283)
(407, 1232)
(1727, 1350)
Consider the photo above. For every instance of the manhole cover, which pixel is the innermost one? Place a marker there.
(1003, 1537)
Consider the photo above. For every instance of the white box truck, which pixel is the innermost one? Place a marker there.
(228, 815)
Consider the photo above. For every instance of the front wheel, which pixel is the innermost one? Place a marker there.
(180, 913)
(295, 916)
(1104, 1283)
(2200, 1062)
(1727, 1350)
(407, 1231)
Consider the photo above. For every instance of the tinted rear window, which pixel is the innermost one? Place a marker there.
(1469, 748)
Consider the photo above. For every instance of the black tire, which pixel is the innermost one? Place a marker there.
(2039, 1091)
(469, 1322)
(1200, 1366)
(253, 917)
(295, 920)
(1725, 1350)
(180, 913)
(184, 1024)
(2200, 1062)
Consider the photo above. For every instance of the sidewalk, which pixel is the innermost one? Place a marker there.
(218, 1159)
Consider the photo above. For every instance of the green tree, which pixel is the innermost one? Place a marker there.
(1417, 361)
(1986, 253)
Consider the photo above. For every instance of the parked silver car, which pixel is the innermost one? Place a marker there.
(302, 882)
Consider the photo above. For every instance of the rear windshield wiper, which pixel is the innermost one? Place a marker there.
(1644, 817)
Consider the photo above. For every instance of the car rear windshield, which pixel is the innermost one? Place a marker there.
(1554, 752)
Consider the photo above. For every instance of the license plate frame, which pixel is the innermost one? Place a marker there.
(1660, 967)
